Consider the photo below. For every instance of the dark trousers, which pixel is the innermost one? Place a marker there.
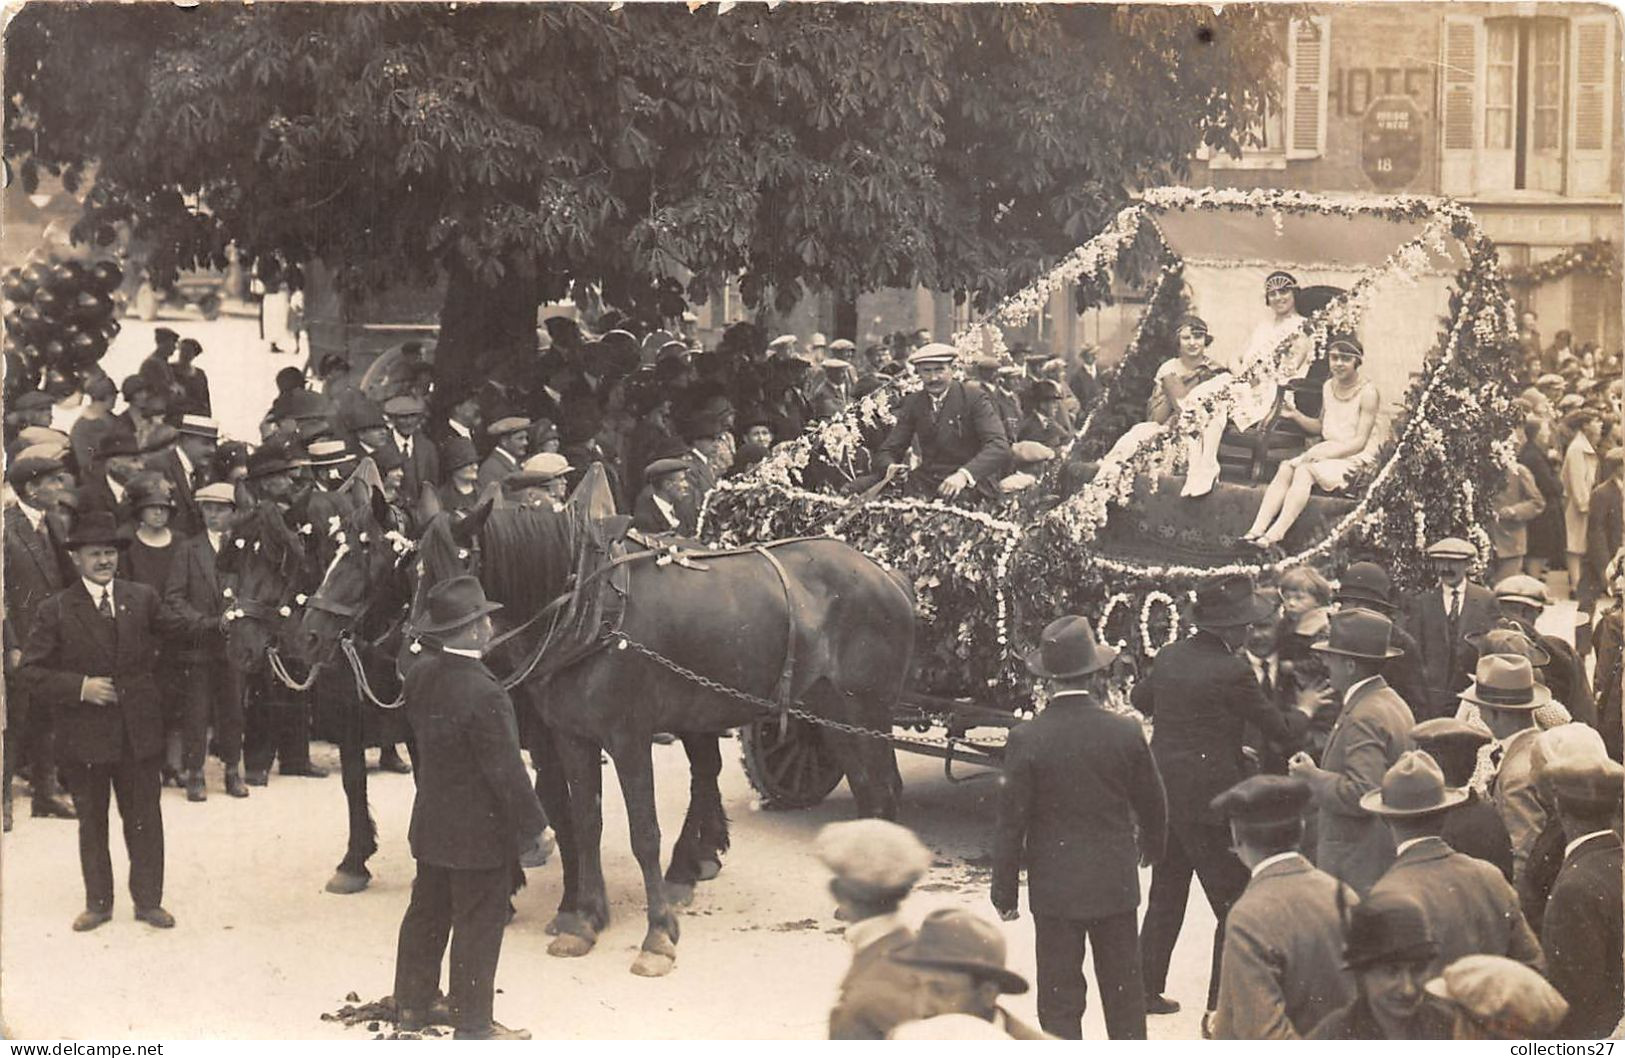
(1063, 994)
(276, 725)
(470, 907)
(1202, 849)
(136, 784)
(30, 740)
(213, 694)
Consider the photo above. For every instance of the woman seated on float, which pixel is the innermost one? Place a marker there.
(1348, 415)
(1174, 380)
(1252, 402)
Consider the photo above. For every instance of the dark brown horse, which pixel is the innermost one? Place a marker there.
(812, 622)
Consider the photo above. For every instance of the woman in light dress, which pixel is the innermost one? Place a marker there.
(1175, 379)
(1348, 415)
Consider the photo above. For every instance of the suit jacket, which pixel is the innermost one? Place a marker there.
(1474, 828)
(1448, 660)
(70, 640)
(1077, 782)
(1583, 938)
(188, 518)
(1517, 797)
(1371, 732)
(96, 494)
(1404, 673)
(475, 807)
(498, 465)
(1283, 955)
(1203, 698)
(194, 385)
(422, 467)
(967, 433)
(1605, 524)
(1540, 873)
(33, 572)
(649, 518)
(1470, 907)
(193, 593)
(877, 993)
(1610, 647)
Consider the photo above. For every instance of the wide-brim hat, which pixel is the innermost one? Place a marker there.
(1067, 648)
(93, 528)
(270, 460)
(1414, 786)
(150, 490)
(539, 469)
(457, 452)
(1358, 633)
(1228, 601)
(1508, 638)
(956, 939)
(1506, 681)
(453, 604)
(331, 453)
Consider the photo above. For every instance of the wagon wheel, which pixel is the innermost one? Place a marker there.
(795, 769)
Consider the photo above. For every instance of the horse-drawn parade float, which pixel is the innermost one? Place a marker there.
(832, 619)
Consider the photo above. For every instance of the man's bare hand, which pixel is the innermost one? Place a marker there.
(1313, 698)
(954, 484)
(99, 690)
(1301, 765)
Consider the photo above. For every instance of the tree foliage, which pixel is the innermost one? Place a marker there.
(554, 147)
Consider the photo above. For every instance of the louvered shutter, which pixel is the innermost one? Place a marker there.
(1591, 121)
(1309, 55)
(1461, 62)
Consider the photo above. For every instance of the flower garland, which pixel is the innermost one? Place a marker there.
(1106, 611)
(1598, 257)
(1152, 598)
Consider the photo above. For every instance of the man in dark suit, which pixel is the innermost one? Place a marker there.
(1283, 938)
(474, 816)
(1203, 697)
(1472, 909)
(191, 380)
(510, 438)
(961, 437)
(1372, 730)
(420, 459)
(1440, 619)
(211, 687)
(91, 657)
(1082, 803)
(662, 506)
(875, 864)
(1521, 600)
(1583, 935)
(1605, 527)
(1367, 585)
(188, 467)
(103, 487)
(34, 571)
(1474, 827)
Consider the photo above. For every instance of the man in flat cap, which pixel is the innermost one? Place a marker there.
(960, 958)
(539, 482)
(420, 459)
(1495, 998)
(662, 505)
(1474, 827)
(1472, 909)
(1082, 803)
(36, 567)
(986, 371)
(1564, 744)
(961, 438)
(1521, 600)
(875, 864)
(1283, 940)
(510, 436)
(1582, 934)
(1441, 618)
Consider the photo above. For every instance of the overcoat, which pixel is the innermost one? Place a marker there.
(967, 432)
(1371, 732)
(878, 993)
(1583, 938)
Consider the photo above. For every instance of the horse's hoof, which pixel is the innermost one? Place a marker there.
(569, 946)
(653, 964)
(709, 869)
(552, 927)
(346, 884)
(680, 893)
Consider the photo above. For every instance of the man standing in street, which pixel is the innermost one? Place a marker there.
(1083, 804)
(1582, 934)
(1371, 732)
(1203, 696)
(1522, 599)
(91, 659)
(1283, 940)
(1439, 621)
(474, 816)
(1507, 695)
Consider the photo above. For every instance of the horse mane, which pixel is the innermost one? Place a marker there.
(266, 535)
(526, 556)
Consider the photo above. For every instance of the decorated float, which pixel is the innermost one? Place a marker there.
(1102, 528)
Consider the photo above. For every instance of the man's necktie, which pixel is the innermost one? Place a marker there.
(1455, 607)
(105, 607)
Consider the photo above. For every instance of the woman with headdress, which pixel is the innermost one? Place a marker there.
(1173, 383)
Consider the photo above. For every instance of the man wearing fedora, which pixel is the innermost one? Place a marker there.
(1506, 694)
(1082, 803)
(1204, 696)
(1441, 618)
(1367, 585)
(1521, 600)
(1583, 935)
(1470, 907)
(1372, 731)
(91, 658)
(1388, 945)
(960, 960)
(1474, 827)
(960, 436)
(474, 816)
(1283, 940)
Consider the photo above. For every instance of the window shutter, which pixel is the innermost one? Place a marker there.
(1591, 48)
(1308, 62)
(1460, 120)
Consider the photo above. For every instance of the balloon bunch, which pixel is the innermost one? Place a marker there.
(61, 313)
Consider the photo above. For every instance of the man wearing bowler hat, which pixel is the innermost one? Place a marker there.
(1583, 935)
(1388, 945)
(1470, 907)
(1282, 939)
(1441, 618)
(1082, 803)
(1372, 730)
(1203, 696)
(961, 438)
(1474, 827)
(474, 816)
(91, 658)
